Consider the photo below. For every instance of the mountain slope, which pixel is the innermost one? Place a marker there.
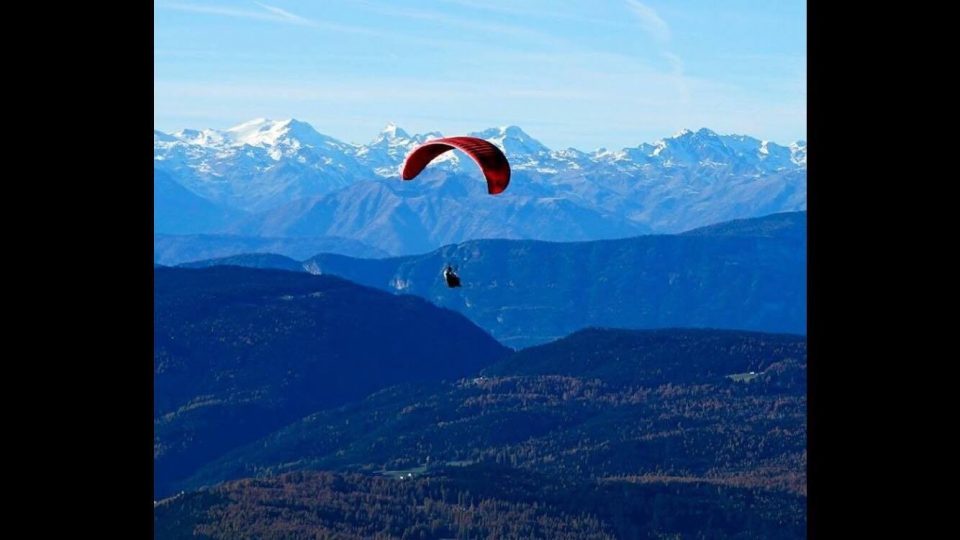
(170, 250)
(653, 357)
(476, 502)
(240, 352)
(439, 207)
(784, 225)
(176, 210)
(749, 275)
(602, 405)
(250, 260)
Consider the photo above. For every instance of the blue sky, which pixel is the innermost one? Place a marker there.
(586, 74)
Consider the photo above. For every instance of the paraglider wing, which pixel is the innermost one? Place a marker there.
(491, 160)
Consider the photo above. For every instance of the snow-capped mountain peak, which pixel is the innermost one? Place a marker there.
(271, 133)
(392, 135)
(387, 151)
(288, 134)
(514, 142)
(259, 132)
(503, 132)
(202, 137)
(392, 131)
(687, 136)
(259, 164)
(798, 153)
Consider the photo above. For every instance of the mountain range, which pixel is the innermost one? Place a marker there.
(746, 274)
(269, 178)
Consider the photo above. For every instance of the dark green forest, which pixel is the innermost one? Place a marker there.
(672, 433)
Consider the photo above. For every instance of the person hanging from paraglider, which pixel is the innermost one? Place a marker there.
(449, 274)
(493, 163)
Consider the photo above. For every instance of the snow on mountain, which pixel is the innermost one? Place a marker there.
(513, 141)
(287, 135)
(386, 153)
(798, 153)
(161, 137)
(258, 164)
(203, 137)
(704, 149)
(299, 182)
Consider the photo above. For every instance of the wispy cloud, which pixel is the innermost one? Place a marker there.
(266, 13)
(659, 30)
(275, 14)
(553, 13)
(651, 23)
(354, 91)
(285, 15)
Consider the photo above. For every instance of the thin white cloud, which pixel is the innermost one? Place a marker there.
(266, 13)
(341, 92)
(651, 23)
(659, 30)
(552, 13)
(286, 15)
(275, 14)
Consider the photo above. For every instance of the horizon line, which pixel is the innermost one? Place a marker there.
(390, 123)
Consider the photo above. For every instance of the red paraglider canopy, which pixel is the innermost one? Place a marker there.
(491, 160)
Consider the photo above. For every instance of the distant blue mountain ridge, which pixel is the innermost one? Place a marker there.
(746, 274)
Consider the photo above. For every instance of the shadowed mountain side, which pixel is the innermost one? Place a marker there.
(654, 357)
(240, 352)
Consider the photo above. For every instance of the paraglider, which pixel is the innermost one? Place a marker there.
(453, 280)
(495, 167)
(492, 162)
